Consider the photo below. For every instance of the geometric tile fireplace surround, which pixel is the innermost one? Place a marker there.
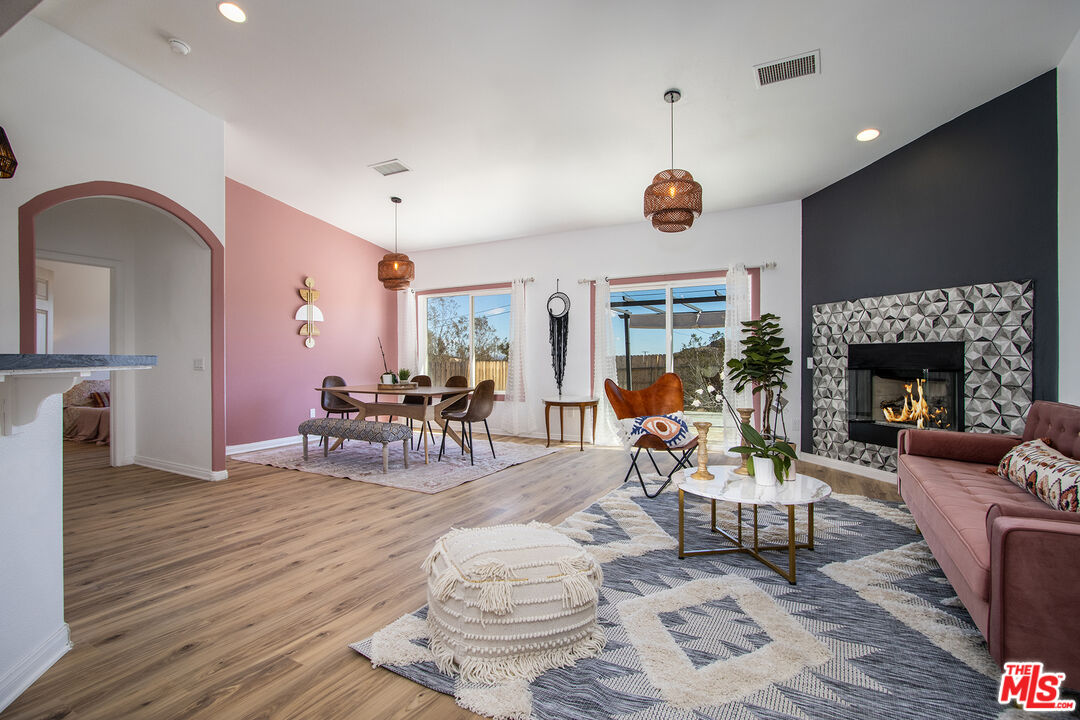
(993, 320)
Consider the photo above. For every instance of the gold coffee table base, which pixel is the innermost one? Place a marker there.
(754, 550)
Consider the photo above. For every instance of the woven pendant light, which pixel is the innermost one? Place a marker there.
(8, 163)
(396, 270)
(674, 198)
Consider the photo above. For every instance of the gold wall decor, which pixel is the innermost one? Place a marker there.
(309, 313)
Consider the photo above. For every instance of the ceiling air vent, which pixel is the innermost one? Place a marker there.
(788, 68)
(390, 167)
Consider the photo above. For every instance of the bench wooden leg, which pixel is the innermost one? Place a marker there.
(386, 457)
(405, 448)
(325, 446)
(305, 447)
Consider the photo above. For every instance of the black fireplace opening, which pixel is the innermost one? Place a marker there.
(892, 386)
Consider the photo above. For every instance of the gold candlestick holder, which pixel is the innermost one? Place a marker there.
(703, 452)
(744, 414)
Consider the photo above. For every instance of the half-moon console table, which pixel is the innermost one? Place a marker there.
(581, 403)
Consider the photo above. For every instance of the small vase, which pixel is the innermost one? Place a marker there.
(765, 472)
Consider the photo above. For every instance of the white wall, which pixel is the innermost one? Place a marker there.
(32, 629)
(1069, 224)
(80, 315)
(161, 291)
(73, 115)
(750, 235)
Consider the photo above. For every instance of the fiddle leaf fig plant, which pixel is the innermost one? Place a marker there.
(764, 364)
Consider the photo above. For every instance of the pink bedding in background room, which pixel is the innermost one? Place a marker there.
(83, 421)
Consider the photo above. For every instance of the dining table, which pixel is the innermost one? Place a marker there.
(436, 399)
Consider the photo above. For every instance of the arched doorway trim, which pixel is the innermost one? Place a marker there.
(100, 188)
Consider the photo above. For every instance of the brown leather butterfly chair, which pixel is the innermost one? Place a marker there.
(661, 398)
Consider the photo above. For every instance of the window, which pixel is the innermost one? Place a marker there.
(466, 334)
(672, 327)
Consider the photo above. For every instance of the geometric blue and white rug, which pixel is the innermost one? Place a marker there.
(872, 630)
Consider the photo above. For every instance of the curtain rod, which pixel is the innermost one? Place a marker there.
(768, 265)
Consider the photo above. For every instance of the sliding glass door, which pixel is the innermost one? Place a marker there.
(672, 327)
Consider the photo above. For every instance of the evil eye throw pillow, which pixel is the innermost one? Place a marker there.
(671, 428)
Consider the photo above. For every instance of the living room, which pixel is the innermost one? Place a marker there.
(970, 188)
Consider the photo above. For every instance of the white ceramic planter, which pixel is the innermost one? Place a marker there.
(764, 472)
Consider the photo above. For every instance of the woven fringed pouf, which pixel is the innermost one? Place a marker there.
(510, 602)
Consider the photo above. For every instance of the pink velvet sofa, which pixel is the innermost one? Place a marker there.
(1013, 561)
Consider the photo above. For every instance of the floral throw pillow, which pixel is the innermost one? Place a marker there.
(1045, 473)
(670, 428)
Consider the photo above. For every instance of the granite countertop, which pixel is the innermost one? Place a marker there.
(28, 362)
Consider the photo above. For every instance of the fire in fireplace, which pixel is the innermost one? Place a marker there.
(892, 386)
(916, 411)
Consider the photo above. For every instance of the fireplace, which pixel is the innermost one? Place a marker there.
(892, 386)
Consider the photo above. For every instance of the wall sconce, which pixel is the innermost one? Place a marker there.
(8, 163)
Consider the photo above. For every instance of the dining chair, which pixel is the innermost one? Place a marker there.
(663, 397)
(332, 404)
(421, 381)
(457, 381)
(479, 408)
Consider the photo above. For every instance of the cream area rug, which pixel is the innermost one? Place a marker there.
(872, 630)
(358, 460)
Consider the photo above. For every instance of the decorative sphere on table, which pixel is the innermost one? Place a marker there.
(703, 452)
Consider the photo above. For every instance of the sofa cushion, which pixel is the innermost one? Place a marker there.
(1058, 421)
(671, 429)
(950, 498)
(1045, 473)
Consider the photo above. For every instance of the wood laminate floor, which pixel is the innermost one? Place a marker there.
(189, 599)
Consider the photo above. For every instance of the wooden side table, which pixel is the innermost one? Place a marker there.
(567, 401)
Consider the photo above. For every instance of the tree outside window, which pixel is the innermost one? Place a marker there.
(468, 335)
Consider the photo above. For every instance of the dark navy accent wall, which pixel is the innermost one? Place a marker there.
(972, 201)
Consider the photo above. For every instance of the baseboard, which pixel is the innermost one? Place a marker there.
(262, 445)
(15, 681)
(850, 467)
(181, 469)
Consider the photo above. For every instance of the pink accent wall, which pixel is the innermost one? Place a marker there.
(270, 376)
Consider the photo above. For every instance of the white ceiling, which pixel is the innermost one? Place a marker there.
(520, 118)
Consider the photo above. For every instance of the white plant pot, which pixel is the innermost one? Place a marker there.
(764, 472)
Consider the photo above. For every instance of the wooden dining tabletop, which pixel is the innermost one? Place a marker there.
(429, 391)
(436, 399)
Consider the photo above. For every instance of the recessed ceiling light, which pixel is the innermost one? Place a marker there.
(868, 134)
(232, 11)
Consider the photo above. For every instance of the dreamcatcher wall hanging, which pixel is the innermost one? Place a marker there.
(558, 307)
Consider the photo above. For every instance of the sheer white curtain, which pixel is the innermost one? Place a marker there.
(738, 310)
(604, 365)
(516, 404)
(407, 350)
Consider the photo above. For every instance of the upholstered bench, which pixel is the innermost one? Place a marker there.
(376, 432)
(510, 602)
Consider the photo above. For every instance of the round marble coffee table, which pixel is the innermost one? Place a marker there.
(744, 490)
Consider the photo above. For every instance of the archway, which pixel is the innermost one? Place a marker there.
(27, 260)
